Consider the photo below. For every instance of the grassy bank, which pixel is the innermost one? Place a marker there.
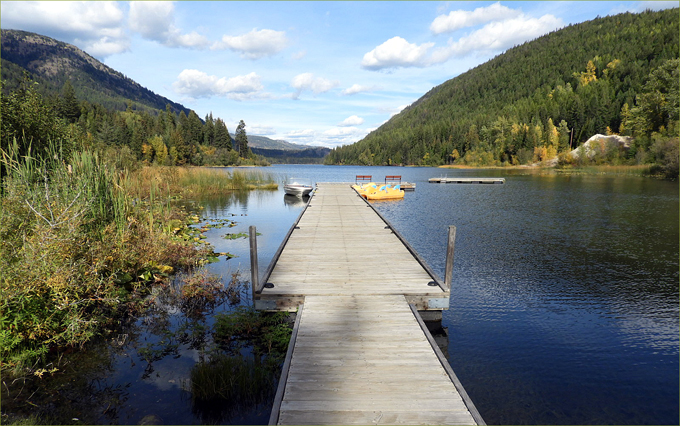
(83, 241)
(187, 182)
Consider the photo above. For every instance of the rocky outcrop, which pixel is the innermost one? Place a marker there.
(599, 144)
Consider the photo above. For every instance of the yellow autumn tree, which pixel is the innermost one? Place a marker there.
(589, 75)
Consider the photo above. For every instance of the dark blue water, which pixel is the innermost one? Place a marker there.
(564, 300)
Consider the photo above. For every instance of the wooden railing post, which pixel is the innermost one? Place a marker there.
(254, 273)
(449, 257)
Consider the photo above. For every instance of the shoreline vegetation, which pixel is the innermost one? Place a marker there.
(92, 219)
(84, 242)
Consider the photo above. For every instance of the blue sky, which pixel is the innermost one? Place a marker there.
(314, 73)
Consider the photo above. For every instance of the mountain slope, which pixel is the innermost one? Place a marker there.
(264, 142)
(52, 62)
(575, 79)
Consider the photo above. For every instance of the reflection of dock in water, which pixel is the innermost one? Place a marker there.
(360, 352)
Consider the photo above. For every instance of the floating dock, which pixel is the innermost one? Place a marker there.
(466, 180)
(360, 353)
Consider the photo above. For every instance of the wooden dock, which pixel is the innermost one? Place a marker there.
(360, 353)
(466, 180)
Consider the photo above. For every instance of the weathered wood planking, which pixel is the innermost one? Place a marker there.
(359, 353)
(340, 246)
(366, 361)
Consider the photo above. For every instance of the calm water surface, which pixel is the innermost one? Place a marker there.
(564, 301)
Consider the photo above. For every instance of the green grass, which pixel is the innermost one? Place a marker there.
(80, 243)
(196, 181)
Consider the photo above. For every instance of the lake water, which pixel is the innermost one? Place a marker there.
(564, 300)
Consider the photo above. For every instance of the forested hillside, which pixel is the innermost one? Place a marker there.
(51, 63)
(127, 131)
(615, 74)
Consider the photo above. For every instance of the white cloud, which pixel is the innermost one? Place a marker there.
(329, 138)
(155, 20)
(396, 52)
(498, 36)
(197, 84)
(352, 121)
(307, 81)
(357, 88)
(95, 27)
(340, 136)
(255, 44)
(458, 19)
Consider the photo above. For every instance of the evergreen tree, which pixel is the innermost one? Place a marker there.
(242, 139)
(209, 130)
(222, 137)
(68, 105)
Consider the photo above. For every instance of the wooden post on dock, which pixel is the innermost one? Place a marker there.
(449, 257)
(254, 274)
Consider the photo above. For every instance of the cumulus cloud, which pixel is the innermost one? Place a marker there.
(342, 132)
(329, 138)
(498, 36)
(341, 136)
(254, 45)
(155, 20)
(95, 27)
(197, 84)
(458, 19)
(396, 52)
(357, 88)
(307, 81)
(352, 121)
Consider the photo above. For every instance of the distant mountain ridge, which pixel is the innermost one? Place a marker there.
(264, 142)
(52, 62)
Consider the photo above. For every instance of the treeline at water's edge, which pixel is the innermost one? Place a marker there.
(536, 103)
(89, 218)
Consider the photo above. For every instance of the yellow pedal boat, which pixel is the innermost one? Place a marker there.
(362, 188)
(384, 192)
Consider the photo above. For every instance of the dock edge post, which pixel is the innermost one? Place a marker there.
(448, 272)
(254, 273)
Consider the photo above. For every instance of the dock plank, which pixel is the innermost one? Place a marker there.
(360, 355)
(394, 377)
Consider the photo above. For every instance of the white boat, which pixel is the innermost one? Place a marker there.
(298, 187)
